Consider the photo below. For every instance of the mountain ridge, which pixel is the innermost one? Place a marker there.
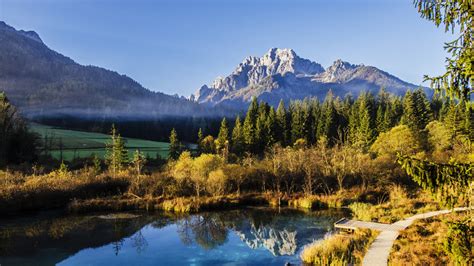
(43, 82)
(282, 74)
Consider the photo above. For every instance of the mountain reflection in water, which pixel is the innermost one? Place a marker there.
(250, 235)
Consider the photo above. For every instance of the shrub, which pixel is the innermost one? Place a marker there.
(339, 249)
(457, 243)
(362, 211)
(217, 182)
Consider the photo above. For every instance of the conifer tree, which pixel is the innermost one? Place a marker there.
(175, 145)
(260, 127)
(116, 154)
(238, 141)
(271, 128)
(222, 141)
(199, 141)
(249, 129)
(282, 127)
(297, 121)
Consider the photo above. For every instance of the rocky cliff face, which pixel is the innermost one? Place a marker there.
(282, 74)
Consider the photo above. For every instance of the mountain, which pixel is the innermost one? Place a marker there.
(42, 82)
(282, 74)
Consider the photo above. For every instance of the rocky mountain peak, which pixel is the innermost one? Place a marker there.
(338, 71)
(282, 74)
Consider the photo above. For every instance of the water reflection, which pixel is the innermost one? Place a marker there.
(248, 234)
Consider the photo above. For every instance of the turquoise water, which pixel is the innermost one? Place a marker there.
(250, 236)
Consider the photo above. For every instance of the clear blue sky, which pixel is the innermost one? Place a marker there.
(176, 46)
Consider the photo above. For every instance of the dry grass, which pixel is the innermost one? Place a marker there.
(399, 206)
(339, 249)
(422, 242)
(21, 193)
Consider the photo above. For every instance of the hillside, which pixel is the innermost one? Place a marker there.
(42, 82)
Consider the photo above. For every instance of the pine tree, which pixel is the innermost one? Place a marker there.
(249, 130)
(238, 140)
(297, 121)
(116, 154)
(282, 127)
(199, 141)
(260, 128)
(271, 128)
(175, 145)
(222, 141)
(328, 126)
(380, 122)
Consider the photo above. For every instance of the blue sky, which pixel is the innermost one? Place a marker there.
(175, 46)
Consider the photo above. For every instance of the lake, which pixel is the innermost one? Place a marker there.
(249, 236)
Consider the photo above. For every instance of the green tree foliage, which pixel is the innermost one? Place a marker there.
(17, 143)
(458, 242)
(282, 129)
(116, 154)
(238, 140)
(175, 145)
(398, 140)
(455, 15)
(250, 124)
(222, 141)
(448, 182)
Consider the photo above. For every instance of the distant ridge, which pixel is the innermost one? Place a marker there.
(282, 74)
(42, 82)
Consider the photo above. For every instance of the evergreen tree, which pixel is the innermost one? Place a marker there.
(116, 154)
(249, 130)
(381, 120)
(328, 126)
(260, 128)
(199, 141)
(297, 121)
(238, 140)
(175, 145)
(271, 128)
(282, 127)
(222, 141)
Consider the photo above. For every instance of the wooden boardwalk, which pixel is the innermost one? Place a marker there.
(379, 251)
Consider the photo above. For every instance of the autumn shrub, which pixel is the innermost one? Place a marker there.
(217, 183)
(339, 249)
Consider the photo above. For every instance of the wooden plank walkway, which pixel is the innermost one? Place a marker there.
(379, 251)
(354, 224)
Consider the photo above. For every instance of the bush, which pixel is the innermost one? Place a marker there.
(339, 249)
(457, 243)
(362, 211)
(217, 182)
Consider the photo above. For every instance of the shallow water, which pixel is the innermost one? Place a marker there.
(249, 236)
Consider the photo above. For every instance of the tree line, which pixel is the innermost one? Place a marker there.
(357, 122)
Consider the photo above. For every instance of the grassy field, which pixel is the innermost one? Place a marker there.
(70, 144)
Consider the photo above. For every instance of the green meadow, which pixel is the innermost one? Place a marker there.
(70, 144)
